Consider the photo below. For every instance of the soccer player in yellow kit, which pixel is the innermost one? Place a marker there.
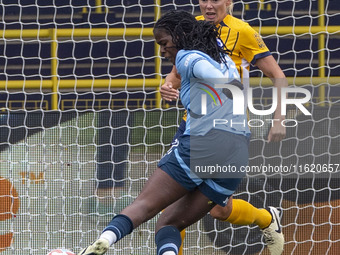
(246, 47)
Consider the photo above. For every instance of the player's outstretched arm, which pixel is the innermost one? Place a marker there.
(271, 69)
(169, 90)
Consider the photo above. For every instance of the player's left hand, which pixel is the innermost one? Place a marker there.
(277, 132)
(168, 93)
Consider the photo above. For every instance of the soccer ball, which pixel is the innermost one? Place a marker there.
(61, 252)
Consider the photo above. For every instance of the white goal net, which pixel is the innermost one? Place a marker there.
(82, 125)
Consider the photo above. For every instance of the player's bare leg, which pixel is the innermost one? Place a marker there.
(159, 192)
(179, 215)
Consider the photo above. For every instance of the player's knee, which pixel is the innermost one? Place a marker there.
(219, 213)
(222, 213)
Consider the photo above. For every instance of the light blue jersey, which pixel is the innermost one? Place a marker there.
(208, 106)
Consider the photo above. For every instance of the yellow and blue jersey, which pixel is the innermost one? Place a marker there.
(244, 43)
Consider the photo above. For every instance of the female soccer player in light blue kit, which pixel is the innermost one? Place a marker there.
(195, 175)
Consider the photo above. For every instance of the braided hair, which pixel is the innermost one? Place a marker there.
(189, 34)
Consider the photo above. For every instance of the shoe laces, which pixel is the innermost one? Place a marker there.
(268, 238)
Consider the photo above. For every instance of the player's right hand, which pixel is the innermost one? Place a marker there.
(168, 93)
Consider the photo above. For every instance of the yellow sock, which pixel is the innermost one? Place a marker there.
(180, 252)
(243, 213)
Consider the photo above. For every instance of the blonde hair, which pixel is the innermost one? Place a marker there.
(230, 8)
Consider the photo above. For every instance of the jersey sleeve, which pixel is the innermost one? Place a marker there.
(192, 65)
(252, 45)
(203, 69)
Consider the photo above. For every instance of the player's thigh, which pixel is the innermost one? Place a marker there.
(185, 211)
(158, 192)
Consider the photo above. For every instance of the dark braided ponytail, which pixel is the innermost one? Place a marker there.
(189, 34)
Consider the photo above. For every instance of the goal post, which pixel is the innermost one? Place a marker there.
(82, 125)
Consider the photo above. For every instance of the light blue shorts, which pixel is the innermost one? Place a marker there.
(210, 163)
